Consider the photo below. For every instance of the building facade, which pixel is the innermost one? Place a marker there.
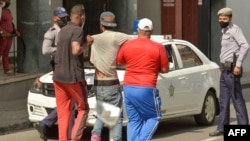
(192, 20)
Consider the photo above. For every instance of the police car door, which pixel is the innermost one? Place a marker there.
(176, 87)
(171, 85)
(190, 78)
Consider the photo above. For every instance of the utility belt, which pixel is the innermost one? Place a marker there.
(106, 82)
(227, 66)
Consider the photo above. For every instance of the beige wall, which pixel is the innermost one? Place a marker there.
(151, 9)
(13, 9)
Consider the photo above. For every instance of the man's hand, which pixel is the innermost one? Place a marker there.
(89, 40)
(237, 71)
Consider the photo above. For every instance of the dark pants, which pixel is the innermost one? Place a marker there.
(51, 119)
(226, 94)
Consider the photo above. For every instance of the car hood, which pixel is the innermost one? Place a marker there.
(89, 76)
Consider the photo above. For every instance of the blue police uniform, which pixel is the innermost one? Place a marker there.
(232, 41)
(50, 40)
(234, 49)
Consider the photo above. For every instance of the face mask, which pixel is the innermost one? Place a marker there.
(224, 24)
(61, 23)
(2, 5)
(7, 5)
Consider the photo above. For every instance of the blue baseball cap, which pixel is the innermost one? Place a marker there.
(60, 12)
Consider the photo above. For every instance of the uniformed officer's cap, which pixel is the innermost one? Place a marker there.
(77, 9)
(60, 12)
(225, 12)
(107, 18)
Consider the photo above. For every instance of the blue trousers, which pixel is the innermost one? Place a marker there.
(143, 110)
(226, 94)
(51, 119)
(110, 94)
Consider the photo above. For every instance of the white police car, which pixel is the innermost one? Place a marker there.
(190, 88)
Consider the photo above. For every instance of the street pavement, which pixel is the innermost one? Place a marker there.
(14, 115)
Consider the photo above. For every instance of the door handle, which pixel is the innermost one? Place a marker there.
(204, 73)
(182, 78)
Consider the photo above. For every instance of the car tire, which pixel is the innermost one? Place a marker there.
(208, 113)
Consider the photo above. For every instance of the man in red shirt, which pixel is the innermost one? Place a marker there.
(144, 60)
(6, 30)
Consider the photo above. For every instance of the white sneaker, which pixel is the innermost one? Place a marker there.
(9, 72)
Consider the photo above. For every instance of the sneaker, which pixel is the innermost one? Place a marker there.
(9, 72)
(41, 130)
(95, 137)
(216, 133)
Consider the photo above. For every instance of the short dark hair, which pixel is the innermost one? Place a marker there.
(77, 9)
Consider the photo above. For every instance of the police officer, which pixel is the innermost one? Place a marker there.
(232, 42)
(50, 37)
(49, 48)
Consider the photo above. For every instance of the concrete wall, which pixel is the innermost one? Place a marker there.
(215, 34)
(127, 11)
(152, 10)
(17, 89)
(241, 14)
(240, 10)
(34, 19)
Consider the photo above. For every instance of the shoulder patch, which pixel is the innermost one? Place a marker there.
(236, 29)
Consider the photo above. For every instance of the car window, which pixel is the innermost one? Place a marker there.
(171, 60)
(188, 56)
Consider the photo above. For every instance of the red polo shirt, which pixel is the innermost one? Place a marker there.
(143, 59)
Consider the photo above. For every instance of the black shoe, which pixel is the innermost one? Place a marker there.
(216, 133)
(41, 130)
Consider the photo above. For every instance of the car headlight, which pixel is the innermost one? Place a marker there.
(36, 87)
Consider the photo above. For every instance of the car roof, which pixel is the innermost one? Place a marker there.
(163, 39)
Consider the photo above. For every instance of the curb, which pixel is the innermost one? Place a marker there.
(14, 116)
(15, 127)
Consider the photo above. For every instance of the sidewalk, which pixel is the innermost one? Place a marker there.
(13, 101)
(14, 116)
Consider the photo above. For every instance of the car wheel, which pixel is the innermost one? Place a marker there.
(208, 112)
